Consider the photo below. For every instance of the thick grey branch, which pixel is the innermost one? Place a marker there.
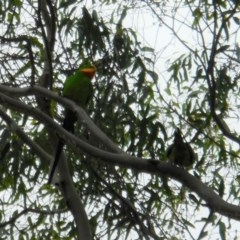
(68, 190)
(36, 90)
(215, 202)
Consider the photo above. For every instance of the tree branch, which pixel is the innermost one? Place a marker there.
(82, 115)
(213, 201)
(31, 210)
(67, 188)
(210, 74)
(16, 129)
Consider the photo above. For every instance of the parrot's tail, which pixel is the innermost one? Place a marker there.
(56, 160)
(69, 120)
(68, 124)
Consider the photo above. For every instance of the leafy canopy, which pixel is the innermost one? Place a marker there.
(141, 94)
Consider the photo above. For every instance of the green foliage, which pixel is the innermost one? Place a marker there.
(138, 108)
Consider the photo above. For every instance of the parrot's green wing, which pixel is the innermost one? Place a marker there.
(78, 88)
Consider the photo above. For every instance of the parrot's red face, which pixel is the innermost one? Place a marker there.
(89, 71)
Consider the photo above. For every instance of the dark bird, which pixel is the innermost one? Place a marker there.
(180, 152)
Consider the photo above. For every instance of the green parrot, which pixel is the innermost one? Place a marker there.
(77, 87)
(180, 152)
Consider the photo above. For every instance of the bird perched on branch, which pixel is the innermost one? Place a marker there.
(77, 87)
(180, 152)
